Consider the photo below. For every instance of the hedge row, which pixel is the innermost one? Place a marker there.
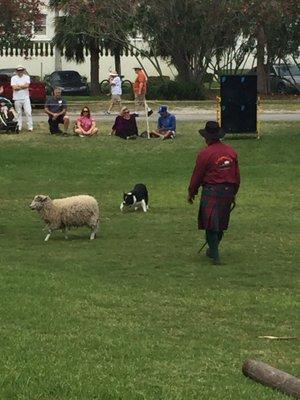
(175, 90)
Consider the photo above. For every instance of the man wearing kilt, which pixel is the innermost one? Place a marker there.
(217, 171)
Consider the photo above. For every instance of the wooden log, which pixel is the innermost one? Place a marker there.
(272, 377)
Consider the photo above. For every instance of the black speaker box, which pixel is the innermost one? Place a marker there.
(239, 103)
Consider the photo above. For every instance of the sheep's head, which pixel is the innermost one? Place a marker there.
(38, 202)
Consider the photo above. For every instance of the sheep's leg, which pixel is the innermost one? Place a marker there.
(65, 231)
(93, 234)
(48, 235)
(94, 230)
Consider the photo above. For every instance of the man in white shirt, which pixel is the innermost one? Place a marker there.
(20, 84)
(116, 91)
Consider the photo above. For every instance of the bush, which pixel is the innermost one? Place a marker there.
(157, 80)
(175, 90)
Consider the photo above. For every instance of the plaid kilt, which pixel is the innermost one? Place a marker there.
(214, 209)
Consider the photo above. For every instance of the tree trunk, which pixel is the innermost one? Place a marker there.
(118, 62)
(184, 72)
(57, 51)
(94, 57)
(272, 377)
(262, 78)
(189, 68)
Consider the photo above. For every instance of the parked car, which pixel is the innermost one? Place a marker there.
(37, 89)
(284, 78)
(70, 82)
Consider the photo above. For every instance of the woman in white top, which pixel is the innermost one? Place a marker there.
(116, 91)
(20, 84)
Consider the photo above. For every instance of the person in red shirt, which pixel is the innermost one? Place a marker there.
(217, 171)
(140, 90)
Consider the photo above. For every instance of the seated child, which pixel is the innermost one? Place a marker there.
(6, 107)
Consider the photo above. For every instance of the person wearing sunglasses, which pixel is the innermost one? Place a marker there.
(85, 124)
(125, 125)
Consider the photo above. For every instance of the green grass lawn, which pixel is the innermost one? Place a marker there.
(137, 314)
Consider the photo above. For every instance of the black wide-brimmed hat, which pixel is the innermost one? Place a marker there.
(212, 131)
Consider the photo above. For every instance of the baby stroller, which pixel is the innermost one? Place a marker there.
(7, 114)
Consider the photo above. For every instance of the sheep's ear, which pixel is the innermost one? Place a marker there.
(43, 198)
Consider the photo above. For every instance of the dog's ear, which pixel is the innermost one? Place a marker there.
(124, 195)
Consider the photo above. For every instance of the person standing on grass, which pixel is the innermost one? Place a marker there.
(217, 171)
(56, 109)
(20, 85)
(116, 91)
(140, 90)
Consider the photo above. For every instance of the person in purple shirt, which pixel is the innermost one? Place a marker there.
(125, 125)
(166, 125)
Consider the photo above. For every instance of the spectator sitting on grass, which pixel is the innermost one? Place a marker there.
(56, 108)
(125, 125)
(85, 124)
(166, 125)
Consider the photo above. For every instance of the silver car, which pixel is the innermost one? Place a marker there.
(285, 78)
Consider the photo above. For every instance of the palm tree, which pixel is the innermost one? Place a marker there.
(83, 28)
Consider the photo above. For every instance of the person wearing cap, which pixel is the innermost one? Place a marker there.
(20, 85)
(140, 90)
(217, 171)
(166, 125)
(116, 91)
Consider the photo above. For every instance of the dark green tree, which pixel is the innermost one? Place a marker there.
(274, 25)
(84, 27)
(189, 33)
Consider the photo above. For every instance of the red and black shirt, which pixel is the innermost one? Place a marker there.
(215, 164)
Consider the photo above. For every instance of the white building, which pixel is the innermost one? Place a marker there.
(43, 59)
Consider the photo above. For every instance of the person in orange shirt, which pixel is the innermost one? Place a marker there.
(140, 90)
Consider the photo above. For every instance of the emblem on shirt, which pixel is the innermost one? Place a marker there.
(224, 162)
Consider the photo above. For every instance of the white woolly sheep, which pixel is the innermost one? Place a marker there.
(68, 212)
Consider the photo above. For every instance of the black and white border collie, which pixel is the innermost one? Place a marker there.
(137, 197)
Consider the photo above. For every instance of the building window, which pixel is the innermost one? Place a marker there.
(41, 28)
